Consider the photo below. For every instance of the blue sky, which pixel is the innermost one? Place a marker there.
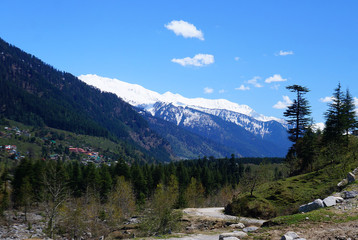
(243, 51)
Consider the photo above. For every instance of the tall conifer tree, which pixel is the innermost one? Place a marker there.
(340, 116)
(298, 113)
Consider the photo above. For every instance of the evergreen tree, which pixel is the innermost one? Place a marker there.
(298, 113)
(340, 117)
(349, 117)
(306, 148)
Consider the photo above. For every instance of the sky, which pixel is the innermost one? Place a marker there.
(247, 52)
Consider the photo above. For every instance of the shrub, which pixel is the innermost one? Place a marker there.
(251, 206)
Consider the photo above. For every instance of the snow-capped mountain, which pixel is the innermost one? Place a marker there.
(237, 126)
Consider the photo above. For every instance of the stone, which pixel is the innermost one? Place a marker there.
(231, 238)
(355, 171)
(237, 225)
(318, 203)
(339, 199)
(250, 229)
(329, 201)
(290, 236)
(349, 194)
(238, 234)
(350, 177)
(342, 183)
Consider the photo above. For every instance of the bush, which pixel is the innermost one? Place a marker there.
(251, 206)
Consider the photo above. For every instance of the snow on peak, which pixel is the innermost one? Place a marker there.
(137, 95)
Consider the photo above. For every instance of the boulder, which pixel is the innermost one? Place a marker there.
(318, 203)
(237, 225)
(342, 183)
(238, 234)
(329, 201)
(355, 171)
(339, 199)
(349, 194)
(250, 229)
(350, 177)
(231, 238)
(291, 236)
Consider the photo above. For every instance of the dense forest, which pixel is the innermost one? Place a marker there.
(194, 183)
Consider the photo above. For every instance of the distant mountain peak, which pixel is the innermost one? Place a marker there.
(234, 128)
(139, 96)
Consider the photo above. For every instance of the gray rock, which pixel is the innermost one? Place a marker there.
(237, 225)
(238, 234)
(342, 183)
(231, 238)
(318, 203)
(330, 201)
(250, 229)
(349, 194)
(339, 199)
(351, 177)
(355, 171)
(291, 236)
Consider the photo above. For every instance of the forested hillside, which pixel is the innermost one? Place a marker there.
(35, 93)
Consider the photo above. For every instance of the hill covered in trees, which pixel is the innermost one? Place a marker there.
(36, 94)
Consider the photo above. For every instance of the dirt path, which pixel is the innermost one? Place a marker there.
(218, 214)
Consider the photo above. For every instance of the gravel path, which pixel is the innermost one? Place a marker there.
(218, 213)
(197, 237)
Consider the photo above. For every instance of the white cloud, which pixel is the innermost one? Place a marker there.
(326, 99)
(254, 82)
(237, 58)
(222, 91)
(198, 60)
(275, 78)
(208, 90)
(283, 104)
(185, 29)
(284, 53)
(243, 88)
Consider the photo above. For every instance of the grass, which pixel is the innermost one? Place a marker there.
(316, 216)
(288, 194)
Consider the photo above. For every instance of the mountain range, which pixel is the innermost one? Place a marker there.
(147, 126)
(201, 126)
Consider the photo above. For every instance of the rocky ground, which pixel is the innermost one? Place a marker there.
(212, 224)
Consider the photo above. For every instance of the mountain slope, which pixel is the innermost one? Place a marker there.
(186, 144)
(35, 93)
(237, 127)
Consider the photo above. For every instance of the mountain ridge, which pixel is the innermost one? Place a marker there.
(238, 127)
(137, 95)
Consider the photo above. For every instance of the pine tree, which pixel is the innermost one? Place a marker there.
(298, 113)
(349, 114)
(334, 117)
(340, 117)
